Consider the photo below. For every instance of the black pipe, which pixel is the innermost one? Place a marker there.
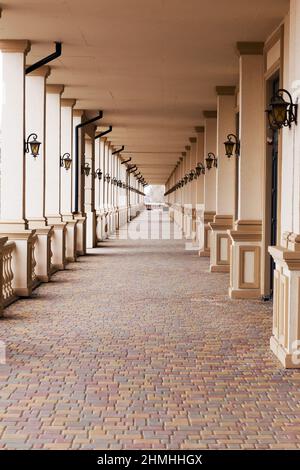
(118, 151)
(100, 116)
(45, 60)
(126, 161)
(103, 133)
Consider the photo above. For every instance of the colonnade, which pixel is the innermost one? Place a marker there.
(63, 188)
(238, 200)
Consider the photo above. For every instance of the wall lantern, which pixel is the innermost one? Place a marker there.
(86, 169)
(66, 161)
(120, 184)
(231, 142)
(211, 160)
(98, 174)
(182, 182)
(107, 177)
(192, 175)
(123, 185)
(200, 169)
(32, 145)
(114, 181)
(186, 178)
(282, 113)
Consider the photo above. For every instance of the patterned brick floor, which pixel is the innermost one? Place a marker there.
(138, 346)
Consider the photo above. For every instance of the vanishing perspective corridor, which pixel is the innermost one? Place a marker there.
(137, 345)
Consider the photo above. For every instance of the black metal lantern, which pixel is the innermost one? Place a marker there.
(32, 145)
(114, 181)
(200, 169)
(86, 169)
(186, 178)
(66, 161)
(98, 174)
(282, 113)
(231, 142)
(191, 175)
(211, 160)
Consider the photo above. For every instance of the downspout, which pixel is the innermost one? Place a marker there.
(45, 60)
(103, 133)
(79, 126)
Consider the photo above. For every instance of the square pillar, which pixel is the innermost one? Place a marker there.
(210, 141)
(90, 194)
(246, 237)
(225, 184)
(66, 178)
(52, 176)
(285, 339)
(200, 188)
(13, 223)
(80, 216)
(35, 116)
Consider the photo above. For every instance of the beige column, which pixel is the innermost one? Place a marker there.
(200, 188)
(67, 179)
(52, 176)
(210, 143)
(225, 185)
(245, 269)
(35, 120)
(80, 217)
(13, 224)
(91, 241)
(285, 339)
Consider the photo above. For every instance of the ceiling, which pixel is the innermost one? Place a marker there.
(150, 65)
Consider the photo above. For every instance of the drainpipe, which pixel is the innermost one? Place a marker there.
(103, 133)
(79, 126)
(45, 60)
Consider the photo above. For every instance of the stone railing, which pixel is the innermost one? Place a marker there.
(8, 295)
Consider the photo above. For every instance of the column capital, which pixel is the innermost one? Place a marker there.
(15, 45)
(55, 89)
(199, 129)
(183, 154)
(67, 103)
(43, 71)
(210, 114)
(78, 112)
(225, 90)
(250, 48)
(188, 148)
(193, 140)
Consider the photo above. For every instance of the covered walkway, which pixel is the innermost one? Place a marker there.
(137, 345)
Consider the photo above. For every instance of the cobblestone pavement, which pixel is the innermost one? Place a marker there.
(137, 346)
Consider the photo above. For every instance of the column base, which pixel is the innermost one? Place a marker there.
(58, 244)
(208, 216)
(245, 260)
(71, 240)
(23, 262)
(285, 341)
(220, 243)
(81, 234)
(91, 229)
(43, 251)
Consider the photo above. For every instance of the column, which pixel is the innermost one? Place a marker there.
(210, 144)
(193, 186)
(35, 122)
(200, 188)
(80, 216)
(52, 176)
(90, 193)
(13, 224)
(225, 195)
(285, 339)
(246, 237)
(66, 176)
